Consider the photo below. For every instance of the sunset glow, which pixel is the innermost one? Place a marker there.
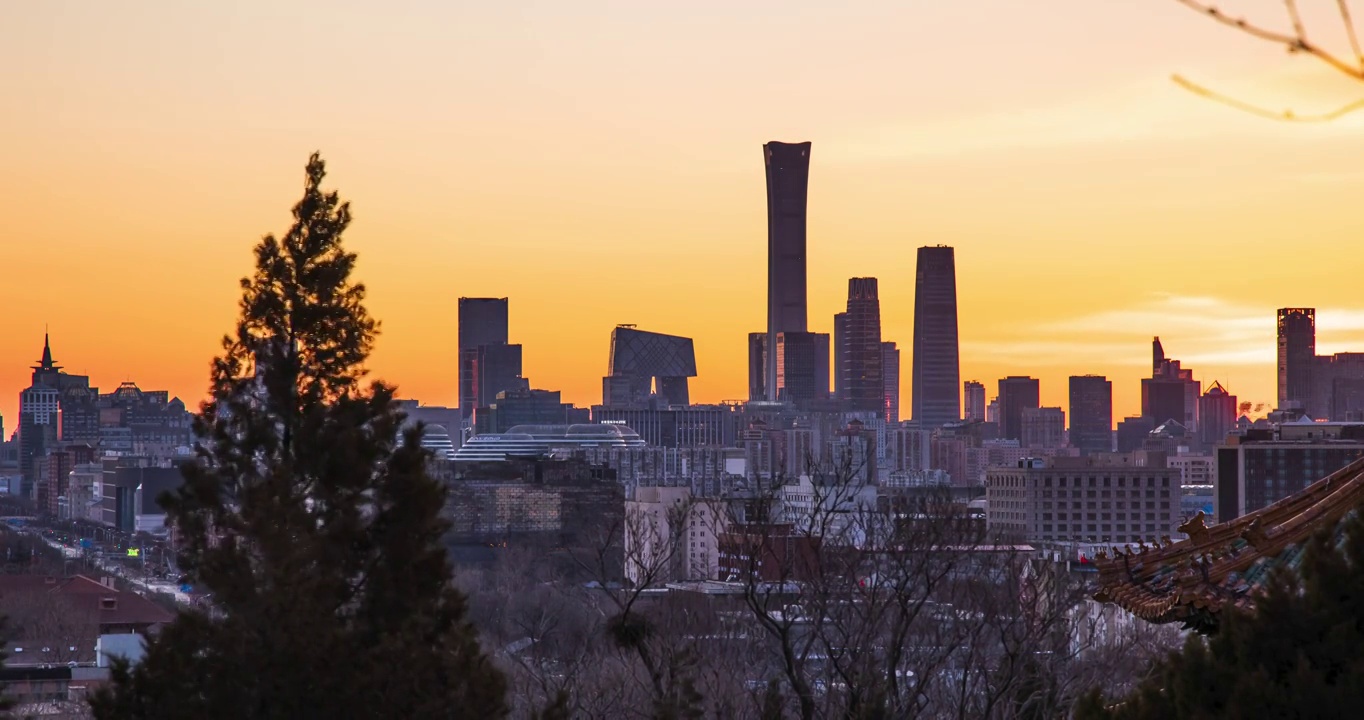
(599, 162)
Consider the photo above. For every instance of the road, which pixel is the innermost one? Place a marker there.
(105, 549)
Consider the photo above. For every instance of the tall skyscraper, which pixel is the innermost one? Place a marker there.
(937, 369)
(1171, 393)
(863, 382)
(890, 370)
(1091, 413)
(39, 416)
(1216, 415)
(1016, 394)
(974, 393)
(798, 367)
(822, 365)
(788, 178)
(757, 366)
(840, 339)
(1297, 354)
(482, 321)
(1043, 428)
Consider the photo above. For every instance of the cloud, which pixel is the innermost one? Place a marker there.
(1150, 109)
(1200, 331)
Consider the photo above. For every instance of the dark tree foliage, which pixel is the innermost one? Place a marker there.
(311, 521)
(1299, 655)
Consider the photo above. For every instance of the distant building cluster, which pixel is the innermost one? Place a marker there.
(79, 454)
(527, 467)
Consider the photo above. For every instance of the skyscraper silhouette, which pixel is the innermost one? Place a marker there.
(890, 370)
(937, 370)
(1016, 394)
(788, 177)
(1297, 354)
(1091, 413)
(863, 382)
(974, 393)
(482, 321)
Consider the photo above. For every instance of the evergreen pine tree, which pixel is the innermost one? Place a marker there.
(1300, 654)
(310, 520)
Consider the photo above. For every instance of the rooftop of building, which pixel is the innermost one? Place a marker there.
(1191, 581)
(536, 440)
(111, 605)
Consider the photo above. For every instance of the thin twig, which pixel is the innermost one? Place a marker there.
(1294, 43)
(1283, 115)
(1349, 24)
(1292, 7)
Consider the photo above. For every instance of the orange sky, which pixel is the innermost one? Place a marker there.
(599, 163)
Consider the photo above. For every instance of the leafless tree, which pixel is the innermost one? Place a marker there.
(1295, 40)
(886, 604)
(836, 599)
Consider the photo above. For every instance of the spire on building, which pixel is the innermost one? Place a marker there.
(1157, 357)
(47, 363)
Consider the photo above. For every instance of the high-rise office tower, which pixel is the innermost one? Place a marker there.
(974, 392)
(798, 367)
(482, 321)
(1171, 393)
(1016, 394)
(863, 382)
(1091, 413)
(937, 370)
(1043, 428)
(1297, 354)
(788, 179)
(757, 366)
(890, 370)
(497, 368)
(822, 366)
(840, 339)
(1216, 415)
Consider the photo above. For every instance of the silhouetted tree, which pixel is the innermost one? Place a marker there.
(1299, 654)
(311, 521)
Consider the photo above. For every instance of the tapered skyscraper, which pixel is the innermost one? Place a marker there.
(788, 176)
(937, 370)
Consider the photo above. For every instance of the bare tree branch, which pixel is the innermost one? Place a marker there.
(1349, 24)
(1296, 42)
(1284, 115)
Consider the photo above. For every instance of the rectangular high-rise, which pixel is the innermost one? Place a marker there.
(1091, 413)
(1043, 428)
(757, 366)
(482, 321)
(1216, 415)
(788, 179)
(1171, 393)
(974, 393)
(936, 363)
(1016, 394)
(1297, 354)
(890, 370)
(798, 367)
(840, 338)
(863, 382)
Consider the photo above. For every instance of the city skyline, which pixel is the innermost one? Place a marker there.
(1042, 172)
